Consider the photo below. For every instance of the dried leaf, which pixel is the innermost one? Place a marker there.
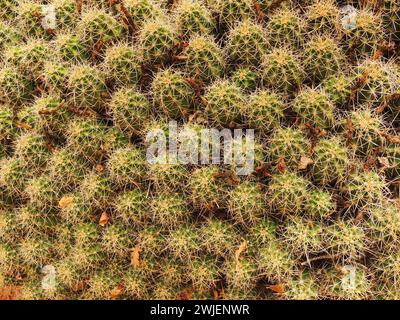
(104, 219)
(186, 294)
(219, 294)
(277, 288)
(135, 257)
(116, 292)
(9, 292)
(281, 166)
(349, 131)
(65, 202)
(238, 252)
(79, 286)
(23, 125)
(384, 163)
(304, 163)
(391, 139)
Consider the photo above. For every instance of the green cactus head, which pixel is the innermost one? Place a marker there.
(246, 203)
(391, 14)
(364, 127)
(98, 29)
(142, 11)
(74, 209)
(274, 261)
(55, 77)
(323, 17)
(70, 48)
(86, 85)
(207, 190)
(289, 144)
(157, 40)
(183, 242)
(286, 26)
(169, 209)
(116, 239)
(302, 286)
(339, 88)
(127, 166)
(247, 43)
(287, 193)
(330, 160)
(43, 192)
(9, 35)
(172, 93)
(364, 188)
(346, 240)
(224, 102)
(130, 110)
(52, 114)
(218, 238)
(232, 11)
(323, 58)
(320, 205)
(265, 111)
(123, 65)
(246, 78)
(393, 154)
(131, 206)
(375, 81)
(193, 17)
(32, 149)
(96, 189)
(281, 70)
(15, 87)
(204, 59)
(314, 108)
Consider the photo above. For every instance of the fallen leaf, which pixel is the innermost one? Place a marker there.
(304, 163)
(281, 166)
(9, 292)
(104, 219)
(116, 292)
(23, 125)
(349, 131)
(186, 294)
(219, 294)
(238, 252)
(277, 288)
(78, 286)
(391, 139)
(383, 162)
(65, 202)
(135, 257)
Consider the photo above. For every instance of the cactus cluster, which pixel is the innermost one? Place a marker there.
(86, 92)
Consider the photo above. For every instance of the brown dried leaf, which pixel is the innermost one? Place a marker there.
(391, 139)
(116, 292)
(281, 165)
(23, 125)
(384, 162)
(349, 131)
(65, 202)
(135, 257)
(186, 294)
(242, 248)
(277, 288)
(104, 219)
(9, 292)
(78, 286)
(304, 163)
